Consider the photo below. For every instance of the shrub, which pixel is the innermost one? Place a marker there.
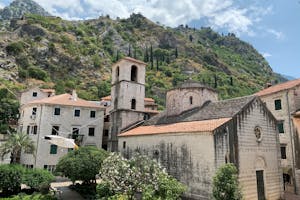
(104, 191)
(15, 48)
(38, 179)
(37, 73)
(31, 197)
(11, 178)
(225, 183)
(82, 164)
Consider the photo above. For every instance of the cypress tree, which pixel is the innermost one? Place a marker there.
(176, 53)
(129, 51)
(151, 56)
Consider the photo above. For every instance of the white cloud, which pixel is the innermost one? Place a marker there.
(2, 5)
(218, 13)
(279, 35)
(266, 54)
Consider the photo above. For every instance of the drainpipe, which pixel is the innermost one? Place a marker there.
(291, 141)
(38, 139)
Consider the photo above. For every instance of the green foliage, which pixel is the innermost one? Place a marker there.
(34, 196)
(38, 73)
(104, 191)
(11, 178)
(225, 183)
(104, 88)
(137, 175)
(82, 164)
(15, 144)
(15, 48)
(38, 179)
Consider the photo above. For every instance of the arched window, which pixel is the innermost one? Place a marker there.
(133, 73)
(191, 100)
(133, 104)
(117, 73)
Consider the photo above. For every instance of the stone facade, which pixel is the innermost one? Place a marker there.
(35, 94)
(289, 101)
(38, 119)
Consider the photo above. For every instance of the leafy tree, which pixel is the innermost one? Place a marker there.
(82, 164)
(11, 178)
(38, 179)
(15, 143)
(138, 175)
(225, 183)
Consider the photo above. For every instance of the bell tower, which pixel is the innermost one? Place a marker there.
(127, 97)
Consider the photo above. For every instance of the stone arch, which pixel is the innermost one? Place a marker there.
(260, 163)
(134, 73)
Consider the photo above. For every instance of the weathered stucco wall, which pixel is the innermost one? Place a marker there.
(187, 156)
(258, 154)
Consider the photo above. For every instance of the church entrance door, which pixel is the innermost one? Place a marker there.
(260, 185)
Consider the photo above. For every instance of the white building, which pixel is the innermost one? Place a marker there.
(65, 115)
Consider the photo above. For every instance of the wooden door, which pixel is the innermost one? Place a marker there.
(260, 185)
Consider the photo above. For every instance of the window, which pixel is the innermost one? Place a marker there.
(133, 73)
(191, 100)
(133, 104)
(28, 130)
(124, 145)
(55, 130)
(53, 149)
(28, 166)
(92, 114)
(56, 111)
(91, 131)
(34, 111)
(277, 103)
(117, 73)
(34, 130)
(31, 129)
(77, 113)
(50, 168)
(283, 152)
(75, 131)
(105, 132)
(280, 127)
(34, 94)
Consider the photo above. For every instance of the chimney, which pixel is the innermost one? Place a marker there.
(74, 95)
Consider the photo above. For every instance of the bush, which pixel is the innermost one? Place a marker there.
(225, 183)
(37, 73)
(11, 178)
(31, 197)
(82, 164)
(15, 48)
(104, 191)
(38, 179)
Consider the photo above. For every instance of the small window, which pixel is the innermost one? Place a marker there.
(56, 111)
(124, 145)
(34, 130)
(91, 131)
(106, 132)
(77, 113)
(133, 104)
(283, 152)
(34, 94)
(191, 100)
(55, 130)
(277, 103)
(133, 73)
(117, 73)
(280, 127)
(53, 149)
(93, 114)
(34, 111)
(75, 131)
(28, 130)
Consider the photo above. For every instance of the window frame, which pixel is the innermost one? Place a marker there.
(280, 126)
(278, 104)
(53, 149)
(92, 134)
(93, 115)
(57, 109)
(283, 152)
(76, 112)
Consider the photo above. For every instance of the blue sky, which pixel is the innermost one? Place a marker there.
(271, 26)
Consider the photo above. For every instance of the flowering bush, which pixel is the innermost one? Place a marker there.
(137, 177)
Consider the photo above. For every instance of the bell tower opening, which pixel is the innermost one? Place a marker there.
(133, 104)
(191, 100)
(134, 73)
(117, 73)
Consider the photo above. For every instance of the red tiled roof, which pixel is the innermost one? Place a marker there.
(131, 60)
(181, 127)
(67, 100)
(148, 99)
(48, 90)
(108, 98)
(279, 87)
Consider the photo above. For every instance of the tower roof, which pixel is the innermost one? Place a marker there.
(131, 60)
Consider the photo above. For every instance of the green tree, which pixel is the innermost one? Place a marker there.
(225, 183)
(82, 164)
(15, 144)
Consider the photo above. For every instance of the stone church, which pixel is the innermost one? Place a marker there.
(197, 133)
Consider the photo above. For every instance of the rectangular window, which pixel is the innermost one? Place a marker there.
(77, 113)
(34, 94)
(106, 132)
(34, 111)
(34, 129)
(53, 149)
(92, 114)
(283, 152)
(124, 145)
(56, 111)
(280, 127)
(55, 130)
(50, 168)
(75, 131)
(91, 131)
(277, 103)
(28, 130)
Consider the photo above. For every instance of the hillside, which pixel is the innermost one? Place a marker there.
(64, 54)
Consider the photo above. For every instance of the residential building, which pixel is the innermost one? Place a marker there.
(196, 134)
(35, 93)
(283, 100)
(65, 115)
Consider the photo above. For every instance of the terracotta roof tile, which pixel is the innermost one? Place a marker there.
(108, 98)
(131, 60)
(278, 87)
(67, 100)
(48, 90)
(148, 99)
(181, 127)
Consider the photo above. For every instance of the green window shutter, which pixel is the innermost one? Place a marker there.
(280, 127)
(277, 103)
(53, 149)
